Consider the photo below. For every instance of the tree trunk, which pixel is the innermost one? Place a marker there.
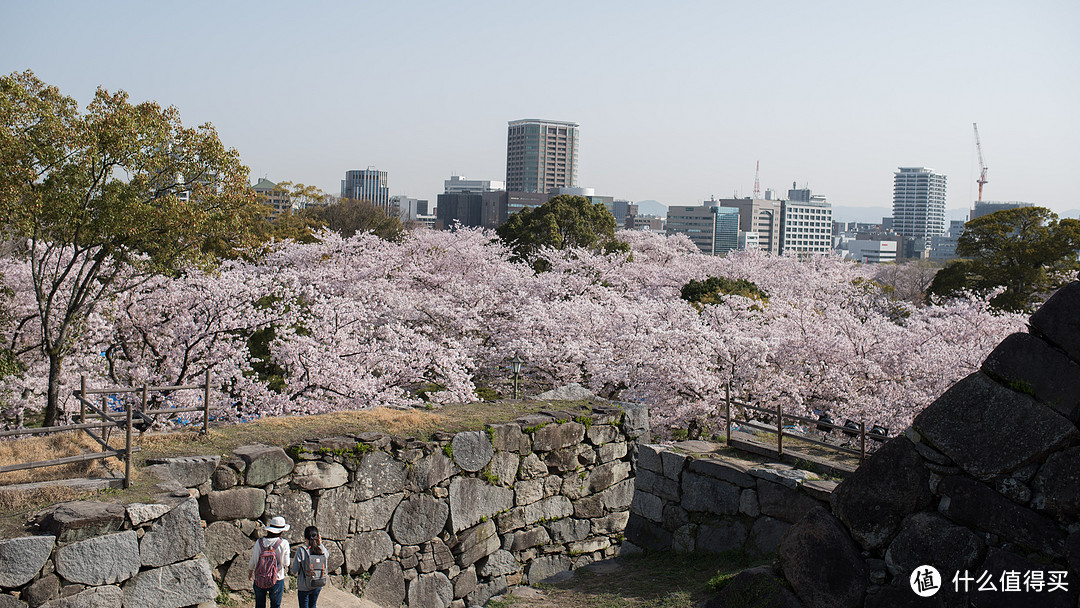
(52, 405)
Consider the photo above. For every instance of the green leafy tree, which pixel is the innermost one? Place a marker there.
(106, 195)
(564, 221)
(713, 289)
(1028, 251)
(347, 216)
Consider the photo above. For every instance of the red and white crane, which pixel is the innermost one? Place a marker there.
(982, 165)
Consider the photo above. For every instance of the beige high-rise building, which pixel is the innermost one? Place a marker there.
(541, 155)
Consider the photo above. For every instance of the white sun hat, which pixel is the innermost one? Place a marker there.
(277, 525)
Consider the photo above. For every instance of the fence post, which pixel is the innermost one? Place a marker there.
(206, 403)
(727, 400)
(779, 431)
(127, 444)
(142, 409)
(862, 442)
(82, 399)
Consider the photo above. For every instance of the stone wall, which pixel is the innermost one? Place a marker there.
(448, 522)
(688, 498)
(985, 484)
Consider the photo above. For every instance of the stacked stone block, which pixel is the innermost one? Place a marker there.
(110, 555)
(985, 482)
(716, 503)
(449, 522)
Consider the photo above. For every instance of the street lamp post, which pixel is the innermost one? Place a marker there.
(515, 366)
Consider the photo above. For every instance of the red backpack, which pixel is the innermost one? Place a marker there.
(266, 568)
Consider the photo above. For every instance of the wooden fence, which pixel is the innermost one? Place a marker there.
(850, 428)
(105, 421)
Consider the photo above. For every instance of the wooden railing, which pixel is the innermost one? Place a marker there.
(856, 430)
(88, 410)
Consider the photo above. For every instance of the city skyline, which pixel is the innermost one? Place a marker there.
(674, 104)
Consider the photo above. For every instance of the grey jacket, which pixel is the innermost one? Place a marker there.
(297, 567)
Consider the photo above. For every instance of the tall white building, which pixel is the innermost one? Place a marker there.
(806, 226)
(541, 155)
(919, 204)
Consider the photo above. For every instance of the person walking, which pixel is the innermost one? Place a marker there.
(310, 571)
(268, 564)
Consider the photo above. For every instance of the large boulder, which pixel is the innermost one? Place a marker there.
(379, 474)
(374, 514)
(235, 503)
(970, 503)
(140, 513)
(387, 585)
(432, 590)
(543, 568)
(418, 519)
(757, 588)
(781, 502)
(176, 536)
(429, 471)
(225, 541)
(102, 560)
(1059, 482)
(709, 495)
(1058, 320)
(1028, 364)
(295, 507)
(474, 499)
(556, 436)
(889, 486)
(108, 596)
(365, 550)
(189, 471)
(333, 511)
(182, 584)
(264, 464)
(22, 558)
(79, 520)
(930, 539)
(998, 563)
(478, 541)
(472, 450)
(318, 475)
(966, 425)
(822, 563)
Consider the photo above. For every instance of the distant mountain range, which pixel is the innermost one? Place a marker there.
(651, 207)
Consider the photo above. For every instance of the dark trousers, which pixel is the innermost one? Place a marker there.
(308, 598)
(274, 593)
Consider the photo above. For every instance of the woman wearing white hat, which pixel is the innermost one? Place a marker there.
(268, 564)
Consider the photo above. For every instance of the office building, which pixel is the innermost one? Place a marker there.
(806, 227)
(408, 209)
(713, 228)
(871, 252)
(367, 185)
(458, 183)
(987, 207)
(761, 217)
(464, 208)
(541, 155)
(918, 204)
(276, 198)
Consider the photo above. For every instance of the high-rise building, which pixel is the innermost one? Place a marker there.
(541, 155)
(367, 185)
(919, 204)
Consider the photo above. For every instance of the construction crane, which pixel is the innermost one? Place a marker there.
(982, 165)
(757, 182)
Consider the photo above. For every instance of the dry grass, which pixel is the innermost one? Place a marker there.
(35, 449)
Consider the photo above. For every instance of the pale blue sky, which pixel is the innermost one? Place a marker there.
(676, 101)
